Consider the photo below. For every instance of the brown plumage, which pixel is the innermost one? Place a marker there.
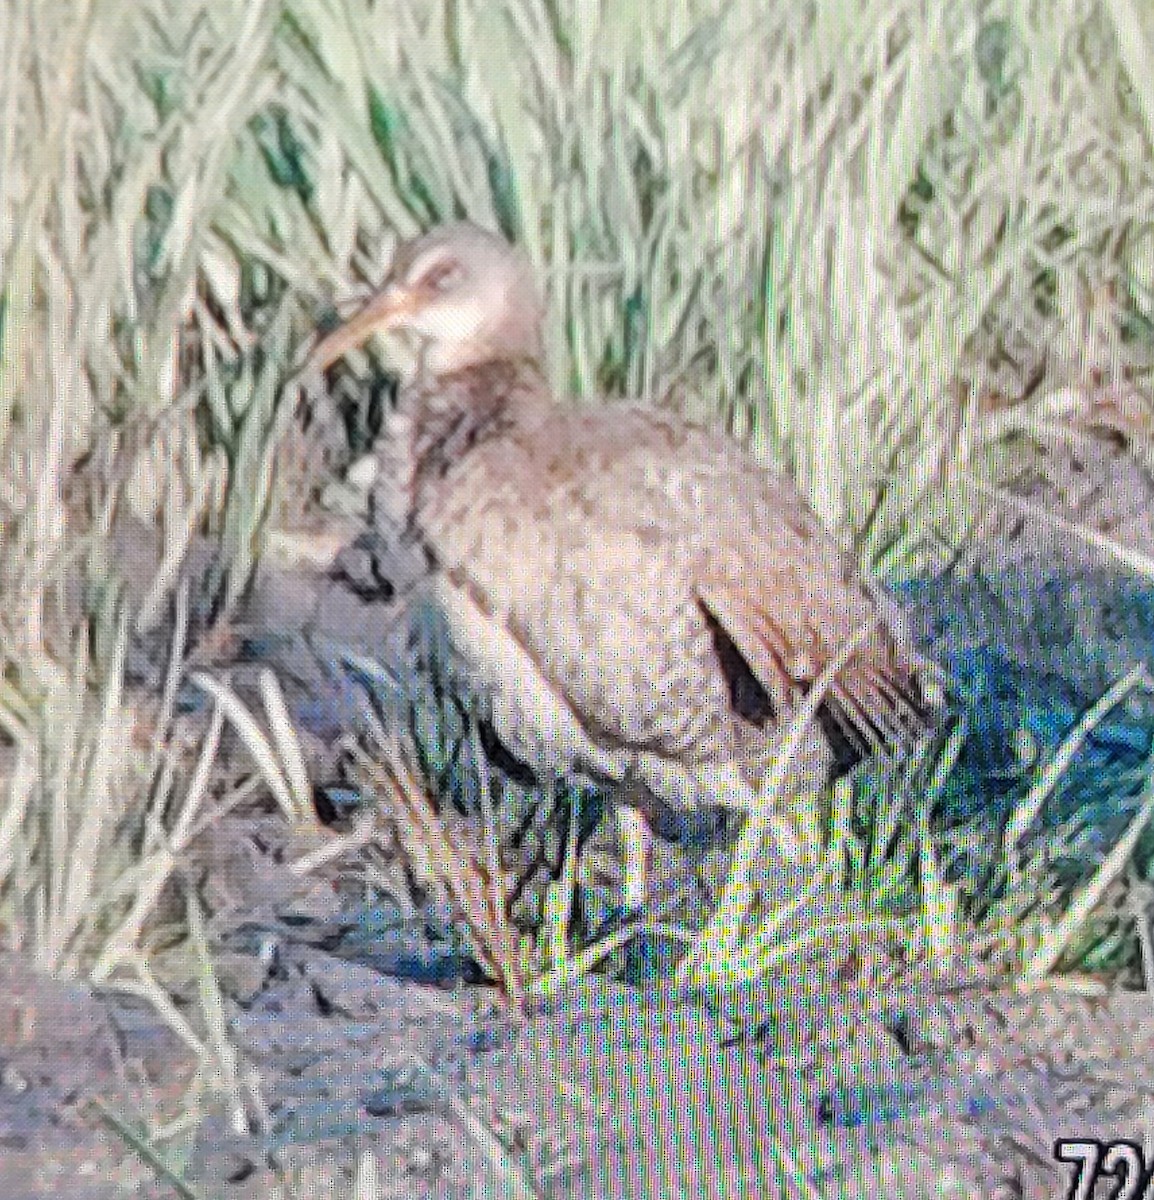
(636, 597)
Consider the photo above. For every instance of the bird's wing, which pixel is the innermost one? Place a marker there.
(790, 607)
(773, 581)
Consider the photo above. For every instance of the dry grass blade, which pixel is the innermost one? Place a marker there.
(175, 549)
(157, 864)
(144, 1150)
(367, 1181)
(1055, 942)
(287, 742)
(253, 737)
(1135, 559)
(365, 829)
(1031, 805)
(457, 869)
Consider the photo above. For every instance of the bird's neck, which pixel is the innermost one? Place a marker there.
(442, 418)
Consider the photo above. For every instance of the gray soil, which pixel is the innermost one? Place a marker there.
(919, 1091)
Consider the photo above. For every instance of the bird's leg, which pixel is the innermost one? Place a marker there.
(635, 839)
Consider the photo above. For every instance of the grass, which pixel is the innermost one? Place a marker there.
(914, 211)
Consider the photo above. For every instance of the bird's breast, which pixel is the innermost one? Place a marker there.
(531, 715)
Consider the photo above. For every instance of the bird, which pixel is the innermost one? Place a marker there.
(635, 597)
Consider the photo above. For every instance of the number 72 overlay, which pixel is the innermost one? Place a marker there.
(1123, 1162)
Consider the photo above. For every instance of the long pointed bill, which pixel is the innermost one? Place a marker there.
(380, 313)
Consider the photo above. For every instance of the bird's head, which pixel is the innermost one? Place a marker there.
(463, 295)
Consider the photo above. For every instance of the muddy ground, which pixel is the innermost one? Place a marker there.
(917, 1091)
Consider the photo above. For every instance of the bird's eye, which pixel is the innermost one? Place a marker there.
(444, 276)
